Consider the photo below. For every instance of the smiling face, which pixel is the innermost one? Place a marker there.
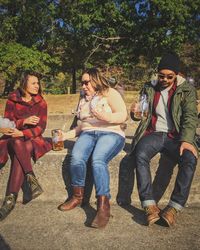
(32, 85)
(87, 85)
(166, 78)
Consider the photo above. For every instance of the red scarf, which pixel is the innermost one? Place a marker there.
(152, 126)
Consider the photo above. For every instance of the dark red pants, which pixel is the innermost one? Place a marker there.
(20, 152)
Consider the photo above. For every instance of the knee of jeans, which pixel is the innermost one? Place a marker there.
(141, 156)
(77, 161)
(98, 163)
(188, 158)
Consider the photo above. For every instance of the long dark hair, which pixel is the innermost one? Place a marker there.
(24, 81)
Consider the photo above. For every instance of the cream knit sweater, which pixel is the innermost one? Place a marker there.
(110, 105)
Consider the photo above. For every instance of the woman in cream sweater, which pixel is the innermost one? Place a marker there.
(101, 112)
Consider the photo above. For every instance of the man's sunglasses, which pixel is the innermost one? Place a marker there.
(169, 77)
(85, 83)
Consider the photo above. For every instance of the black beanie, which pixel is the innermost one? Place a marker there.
(170, 61)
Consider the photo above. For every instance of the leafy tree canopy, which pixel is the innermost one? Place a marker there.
(15, 58)
(100, 33)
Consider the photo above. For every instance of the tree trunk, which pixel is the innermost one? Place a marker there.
(9, 87)
(73, 81)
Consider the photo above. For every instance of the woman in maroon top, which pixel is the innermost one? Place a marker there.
(27, 108)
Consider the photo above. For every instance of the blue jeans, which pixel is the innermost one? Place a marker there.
(102, 146)
(146, 149)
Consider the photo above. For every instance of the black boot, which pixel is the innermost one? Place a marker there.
(34, 185)
(8, 205)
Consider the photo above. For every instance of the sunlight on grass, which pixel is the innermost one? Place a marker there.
(63, 104)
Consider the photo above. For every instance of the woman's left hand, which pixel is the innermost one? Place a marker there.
(101, 115)
(15, 133)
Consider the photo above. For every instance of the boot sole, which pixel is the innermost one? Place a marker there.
(97, 227)
(65, 210)
(167, 222)
(37, 193)
(150, 223)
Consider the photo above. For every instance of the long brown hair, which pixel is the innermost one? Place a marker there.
(24, 81)
(98, 82)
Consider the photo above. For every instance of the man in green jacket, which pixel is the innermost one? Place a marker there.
(169, 128)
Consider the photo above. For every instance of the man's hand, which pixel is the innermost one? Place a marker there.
(32, 120)
(188, 146)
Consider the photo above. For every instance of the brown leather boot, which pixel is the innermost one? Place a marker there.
(169, 215)
(103, 212)
(74, 201)
(152, 213)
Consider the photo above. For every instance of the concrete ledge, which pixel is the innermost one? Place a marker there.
(52, 171)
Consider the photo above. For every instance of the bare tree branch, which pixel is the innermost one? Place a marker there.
(92, 52)
(110, 38)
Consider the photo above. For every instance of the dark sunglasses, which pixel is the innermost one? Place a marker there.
(162, 76)
(85, 83)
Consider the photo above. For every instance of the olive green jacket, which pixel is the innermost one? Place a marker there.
(183, 111)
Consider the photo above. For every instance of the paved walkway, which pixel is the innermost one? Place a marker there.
(40, 226)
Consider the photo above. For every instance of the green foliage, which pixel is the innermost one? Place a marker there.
(15, 58)
(67, 36)
(58, 85)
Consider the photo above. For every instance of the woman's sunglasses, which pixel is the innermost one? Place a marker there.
(85, 83)
(169, 77)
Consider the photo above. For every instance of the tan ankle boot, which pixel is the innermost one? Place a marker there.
(169, 215)
(74, 201)
(152, 213)
(103, 212)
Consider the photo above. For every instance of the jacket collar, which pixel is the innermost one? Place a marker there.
(15, 96)
(154, 80)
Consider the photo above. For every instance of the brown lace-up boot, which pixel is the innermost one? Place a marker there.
(152, 213)
(74, 201)
(103, 212)
(169, 215)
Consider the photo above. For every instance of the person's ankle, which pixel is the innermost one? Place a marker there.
(30, 173)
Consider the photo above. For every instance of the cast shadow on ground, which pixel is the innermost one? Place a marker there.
(67, 180)
(88, 209)
(3, 244)
(90, 213)
(27, 197)
(126, 183)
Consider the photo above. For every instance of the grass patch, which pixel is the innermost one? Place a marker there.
(63, 104)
